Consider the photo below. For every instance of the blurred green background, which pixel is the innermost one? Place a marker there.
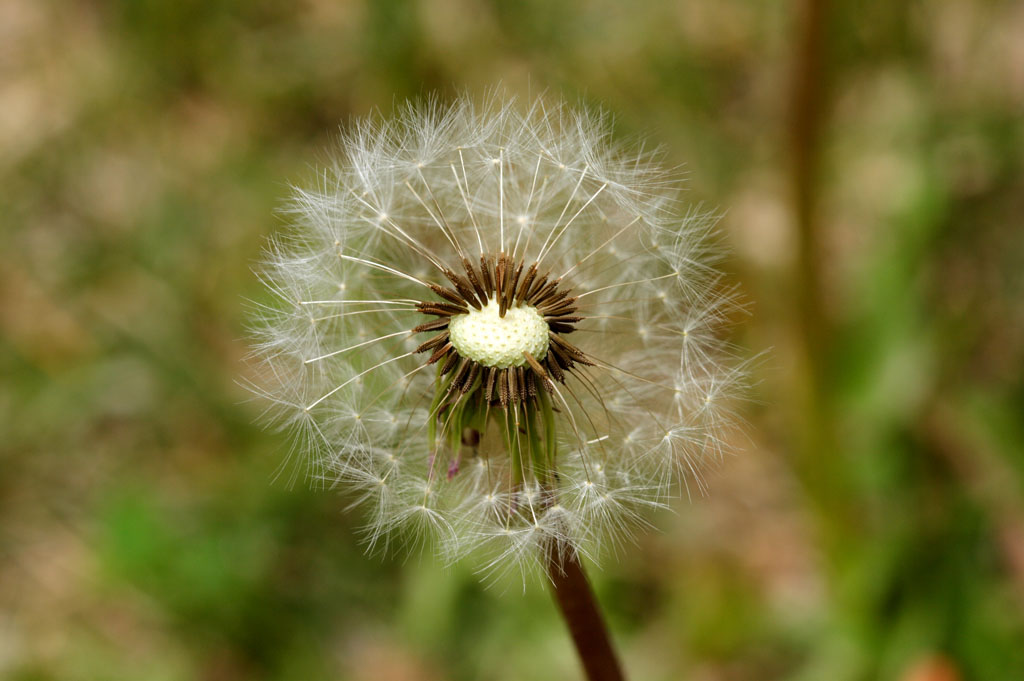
(868, 158)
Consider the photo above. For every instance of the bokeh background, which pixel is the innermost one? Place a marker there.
(868, 160)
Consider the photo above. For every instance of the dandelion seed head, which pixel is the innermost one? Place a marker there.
(495, 325)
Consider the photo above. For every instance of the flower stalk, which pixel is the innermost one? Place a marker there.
(576, 602)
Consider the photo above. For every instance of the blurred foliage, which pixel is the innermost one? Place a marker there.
(144, 148)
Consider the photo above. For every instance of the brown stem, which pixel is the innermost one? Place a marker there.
(817, 459)
(579, 609)
(806, 123)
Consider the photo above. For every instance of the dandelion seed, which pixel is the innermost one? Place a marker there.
(498, 331)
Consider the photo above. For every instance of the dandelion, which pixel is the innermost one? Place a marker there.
(496, 329)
